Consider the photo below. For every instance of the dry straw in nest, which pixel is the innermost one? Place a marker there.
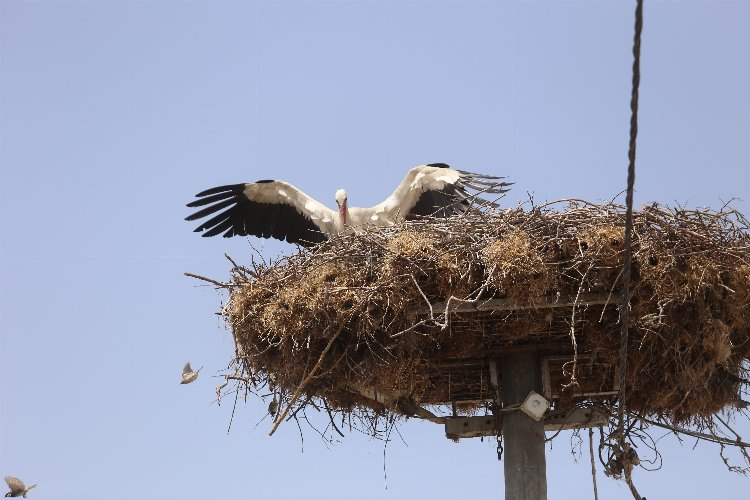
(373, 291)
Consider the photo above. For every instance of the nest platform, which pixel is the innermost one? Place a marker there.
(397, 319)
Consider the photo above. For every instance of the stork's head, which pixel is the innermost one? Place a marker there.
(341, 202)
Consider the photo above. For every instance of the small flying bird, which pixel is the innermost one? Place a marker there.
(17, 488)
(277, 209)
(188, 375)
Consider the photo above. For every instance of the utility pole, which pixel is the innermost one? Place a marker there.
(523, 437)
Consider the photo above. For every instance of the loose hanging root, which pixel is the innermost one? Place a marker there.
(593, 462)
(304, 382)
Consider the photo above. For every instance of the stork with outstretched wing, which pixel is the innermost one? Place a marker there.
(277, 209)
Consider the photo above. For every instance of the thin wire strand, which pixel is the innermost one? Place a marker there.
(629, 211)
(622, 396)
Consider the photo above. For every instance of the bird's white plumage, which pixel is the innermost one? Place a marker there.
(340, 197)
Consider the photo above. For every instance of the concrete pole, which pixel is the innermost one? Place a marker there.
(523, 437)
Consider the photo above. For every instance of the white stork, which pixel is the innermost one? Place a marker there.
(277, 209)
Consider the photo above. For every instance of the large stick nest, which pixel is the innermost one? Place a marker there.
(349, 322)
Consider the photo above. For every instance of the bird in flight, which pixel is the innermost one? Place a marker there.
(17, 488)
(188, 375)
(277, 209)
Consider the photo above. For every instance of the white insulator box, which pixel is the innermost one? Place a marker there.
(535, 405)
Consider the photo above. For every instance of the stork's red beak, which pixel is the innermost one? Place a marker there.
(342, 212)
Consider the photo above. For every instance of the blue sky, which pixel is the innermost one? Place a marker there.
(113, 114)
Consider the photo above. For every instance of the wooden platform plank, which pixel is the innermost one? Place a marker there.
(578, 418)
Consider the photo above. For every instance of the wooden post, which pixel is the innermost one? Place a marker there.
(523, 437)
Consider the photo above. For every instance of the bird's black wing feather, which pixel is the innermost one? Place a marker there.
(444, 203)
(455, 198)
(239, 216)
